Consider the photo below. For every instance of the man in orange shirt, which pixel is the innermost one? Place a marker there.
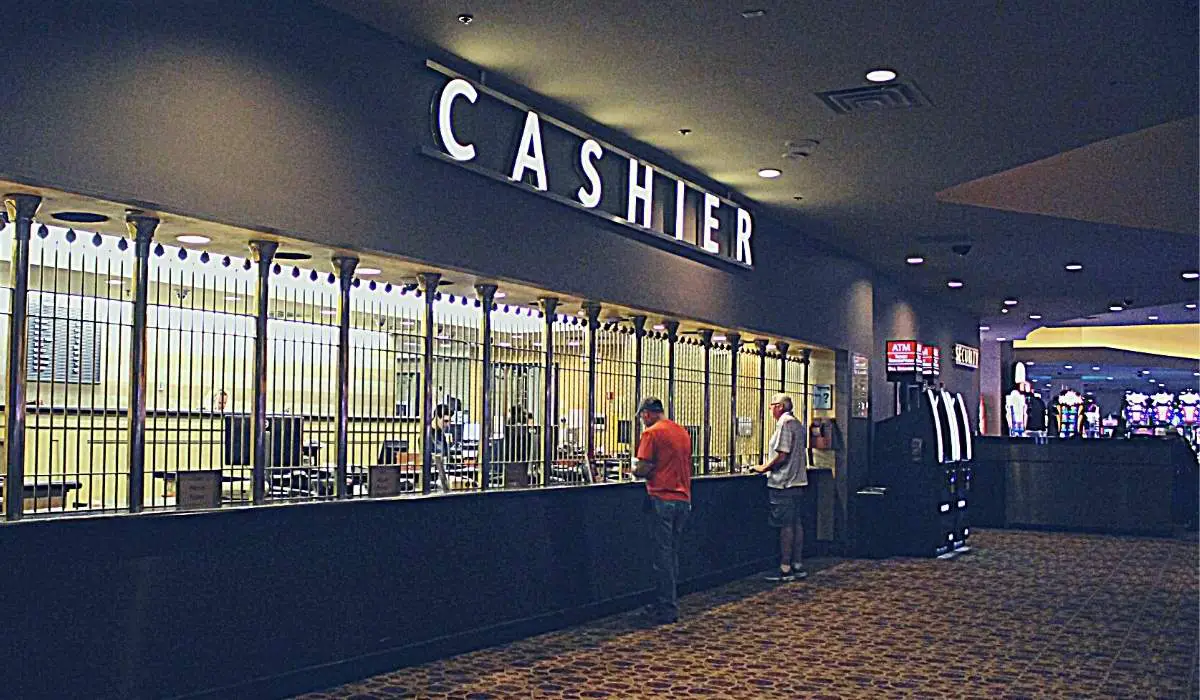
(664, 460)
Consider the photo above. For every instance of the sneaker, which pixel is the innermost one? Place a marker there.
(780, 576)
(799, 572)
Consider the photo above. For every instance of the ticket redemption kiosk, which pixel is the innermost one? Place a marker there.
(922, 458)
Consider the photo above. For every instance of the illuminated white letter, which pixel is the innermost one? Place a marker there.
(710, 223)
(529, 155)
(679, 198)
(745, 227)
(455, 88)
(589, 150)
(643, 193)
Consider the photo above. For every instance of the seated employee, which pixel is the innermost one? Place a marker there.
(439, 442)
(787, 477)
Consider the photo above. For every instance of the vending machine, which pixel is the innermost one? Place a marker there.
(922, 459)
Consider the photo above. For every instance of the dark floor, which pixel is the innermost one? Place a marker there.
(1023, 615)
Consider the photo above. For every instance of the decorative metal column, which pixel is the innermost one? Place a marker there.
(639, 334)
(263, 253)
(592, 310)
(735, 346)
(672, 338)
(345, 267)
(549, 420)
(805, 358)
(761, 346)
(782, 347)
(706, 439)
(487, 296)
(21, 209)
(428, 283)
(141, 228)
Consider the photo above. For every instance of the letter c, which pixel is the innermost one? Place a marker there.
(455, 88)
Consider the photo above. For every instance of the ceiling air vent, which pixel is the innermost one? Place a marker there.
(875, 98)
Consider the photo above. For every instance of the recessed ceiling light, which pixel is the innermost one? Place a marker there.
(1030, 363)
(367, 271)
(1116, 307)
(1003, 311)
(1152, 317)
(1095, 369)
(1191, 275)
(881, 75)
(1109, 378)
(985, 328)
(1073, 267)
(1010, 302)
(1001, 340)
(193, 239)
(1145, 372)
(753, 13)
(1035, 317)
(1068, 367)
(954, 284)
(1189, 306)
(914, 260)
(770, 173)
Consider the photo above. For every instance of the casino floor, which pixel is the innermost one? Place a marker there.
(1023, 615)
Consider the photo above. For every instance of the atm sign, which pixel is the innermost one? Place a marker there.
(902, 356)
(966, 356)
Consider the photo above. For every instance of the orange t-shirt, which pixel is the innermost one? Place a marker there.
(669, 446)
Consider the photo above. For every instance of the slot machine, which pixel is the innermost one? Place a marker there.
(1108, 426)
(1162, 413)
(1091, 420)
(1137, 414)
(1187, 408)
(1069, 407)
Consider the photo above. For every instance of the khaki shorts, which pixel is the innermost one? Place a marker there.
(787, 505)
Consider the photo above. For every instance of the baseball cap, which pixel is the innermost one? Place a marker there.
(651, 404)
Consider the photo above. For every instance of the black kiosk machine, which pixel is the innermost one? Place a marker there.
(921, 460)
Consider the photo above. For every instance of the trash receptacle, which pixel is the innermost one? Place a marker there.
(872, 530)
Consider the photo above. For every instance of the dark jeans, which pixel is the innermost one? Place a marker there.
(667, 520)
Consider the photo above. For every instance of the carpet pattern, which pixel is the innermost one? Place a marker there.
(1024, 615)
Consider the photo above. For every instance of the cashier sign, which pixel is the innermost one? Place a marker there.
(492, 134)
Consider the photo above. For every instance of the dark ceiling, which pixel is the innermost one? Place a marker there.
(1009, 83)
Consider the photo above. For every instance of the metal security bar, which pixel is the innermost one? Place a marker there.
(616, 401)
(720, 421)
(78, 336)
(689, 395)
(457, 383)
(385, 385)
(518, 361)
(747, 424)
(199, 333)
(301, 385)
(774, 364)
(569, 464)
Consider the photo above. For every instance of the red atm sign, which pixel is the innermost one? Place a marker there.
(902, 356)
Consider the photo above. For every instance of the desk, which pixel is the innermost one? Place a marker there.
(45, 494)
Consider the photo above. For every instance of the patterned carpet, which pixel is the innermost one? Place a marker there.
(1024, 615)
